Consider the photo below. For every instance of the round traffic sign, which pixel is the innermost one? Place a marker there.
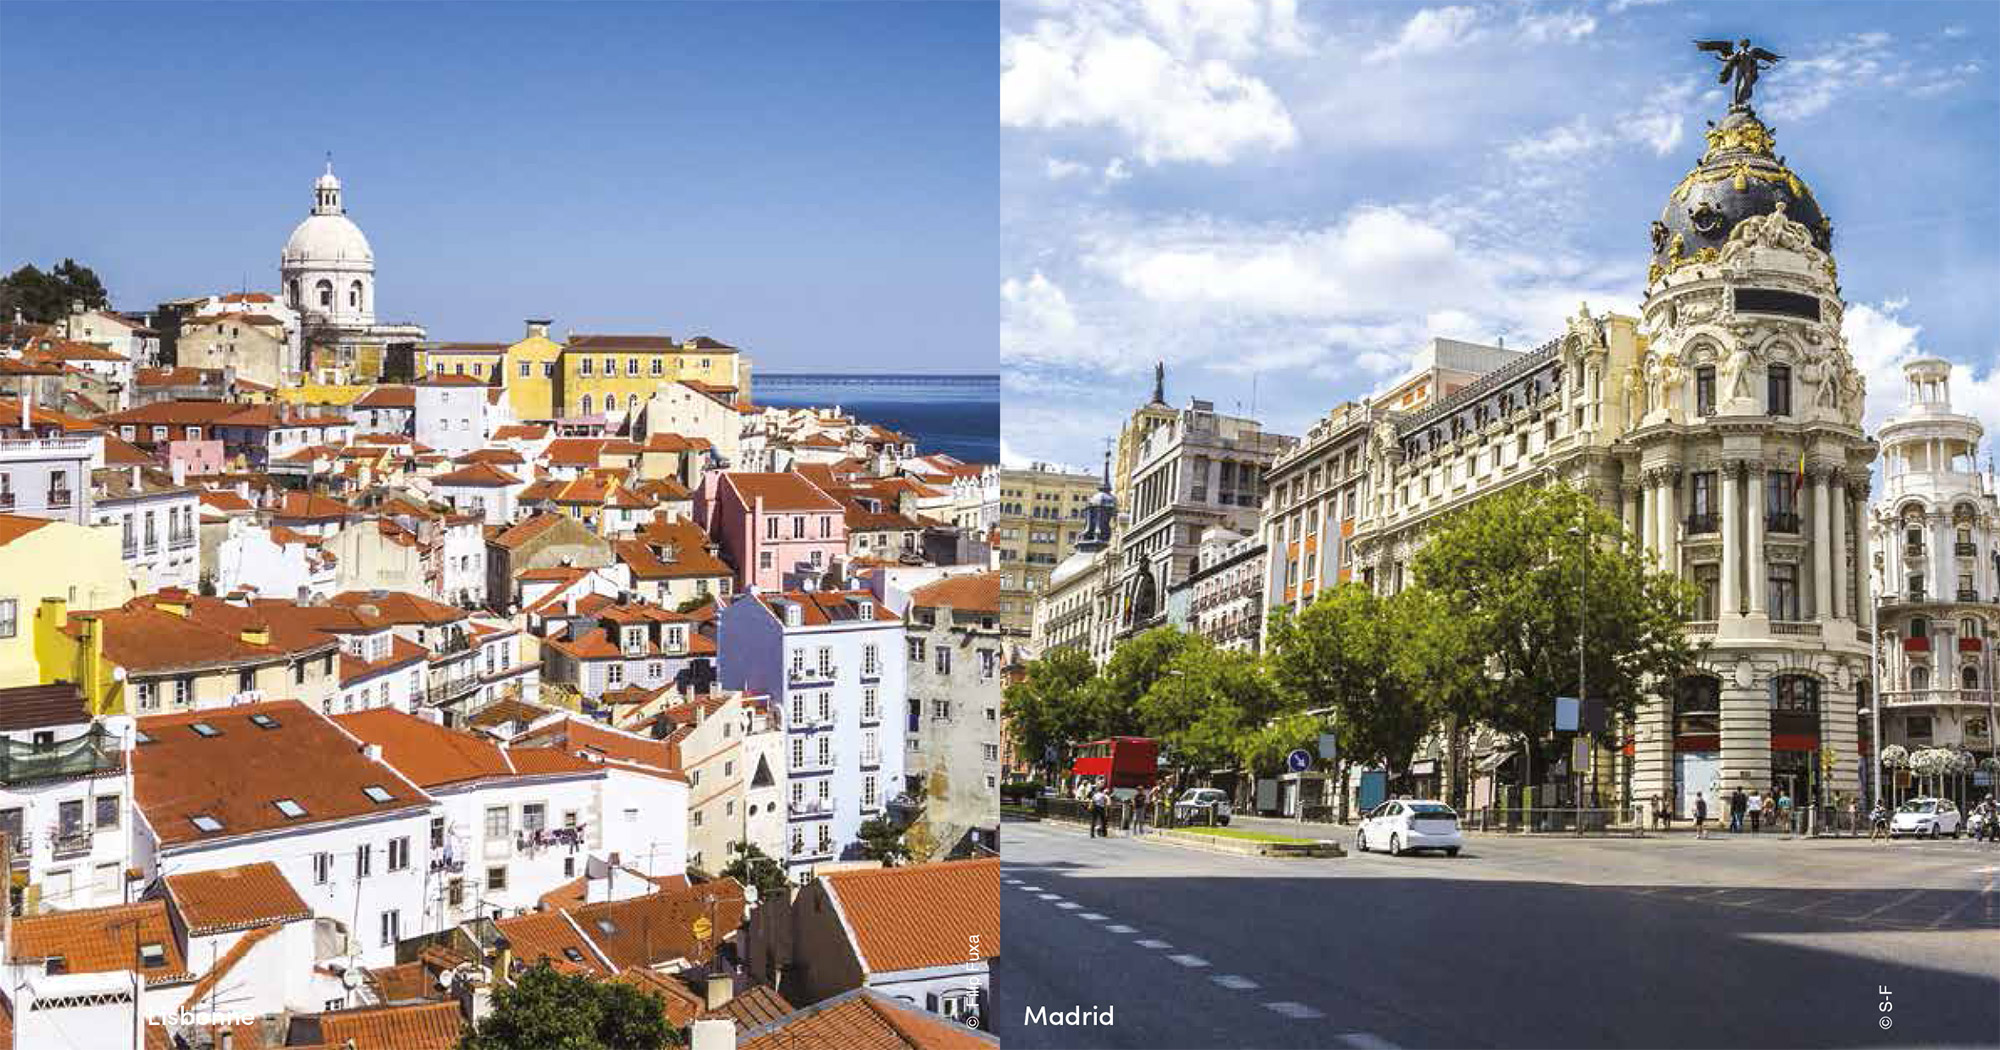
(1299, 761)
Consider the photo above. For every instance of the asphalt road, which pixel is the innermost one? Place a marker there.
(1526, 942)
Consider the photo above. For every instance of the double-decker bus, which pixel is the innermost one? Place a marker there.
(1122, 761)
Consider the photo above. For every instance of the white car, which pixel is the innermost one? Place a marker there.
(1406, 825)
(1925, 816)
(1197, 804)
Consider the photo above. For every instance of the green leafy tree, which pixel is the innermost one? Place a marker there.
(547, 1008)
(45, 297)
(1263, 749)
(699, 601)
(1205, 704)
(882, 840)
(1337, 657)
(1047, 708)
(753, 867)
(1517, 573)
(1134, 668)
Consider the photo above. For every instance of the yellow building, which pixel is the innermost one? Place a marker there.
(478, 360)
(618, 373)
(41, 559)
(528, 371)
(1039, 519)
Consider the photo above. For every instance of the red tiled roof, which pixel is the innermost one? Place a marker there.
(553, 936)
(224, 899)
(819, 608)
(397, 396)
(658, 927)
(421, 1026)
(865, 1019)
(972, 592)
(921, 916)
(479, 475)
(434, 756)
(102, 940)
(15, 526)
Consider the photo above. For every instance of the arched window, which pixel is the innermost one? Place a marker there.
(1968, 678)
(1796, 693)
(292, 294)
(1968, 628)
(586, 404)
(631, 402)
(325, 291)
(1920, 678)
(1697, 709)
(354, 296)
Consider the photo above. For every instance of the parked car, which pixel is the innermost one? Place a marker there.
(1925, 816)
(1406, 825)
(1202, 805)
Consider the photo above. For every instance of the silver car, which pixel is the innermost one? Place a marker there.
(1202, 805)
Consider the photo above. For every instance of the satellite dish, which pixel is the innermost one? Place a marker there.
(749, 894)
(351, 976)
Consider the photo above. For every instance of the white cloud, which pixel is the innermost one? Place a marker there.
(1159, 83)
(1954, 32)
(1619, 7)
(1117, 170)
(1882, 342)
(1561, 143)
(1057, 168)
(1561, 26)
(1430, 31)
(1859, 64)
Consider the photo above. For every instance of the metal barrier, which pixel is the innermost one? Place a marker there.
(1072, 811)
(1553, 821)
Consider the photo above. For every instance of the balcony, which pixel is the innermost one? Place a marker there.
(452, 691)
(871, 673)
(6, 501)
(1699, 524)
(1965, 550)
(1785, 521)
(1970, 645)
(90, 753)
(812, 807)
(1916, 645)
(871, 718)
(1914, 550)
(180, 540)
(1932, 697)
(804, 675)
(1966, 594)
(1796, 628)
(66, 845)
(60, 498)
(801, 851)
(129, 549)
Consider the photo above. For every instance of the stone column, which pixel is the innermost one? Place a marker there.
(1822, 546)
(1630, 493)
(1732, 548)
(1667, 481)
(1843, 515)
(1864, 554)
(1746, 726)
(1649, 514)
(1944, 583)
(1757, 584)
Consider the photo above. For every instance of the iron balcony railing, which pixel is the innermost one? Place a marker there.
(1965, 549)
(1703, 523)
(64, 845)
(1782, 521)
(799, 675)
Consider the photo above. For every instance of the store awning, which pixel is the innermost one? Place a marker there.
(1494, 761)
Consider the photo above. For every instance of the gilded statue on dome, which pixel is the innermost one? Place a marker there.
(1741, 62)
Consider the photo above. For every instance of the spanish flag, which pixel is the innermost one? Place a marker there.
(1799, 479)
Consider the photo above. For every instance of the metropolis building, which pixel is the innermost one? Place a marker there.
(1723, 426)
(1936, 541)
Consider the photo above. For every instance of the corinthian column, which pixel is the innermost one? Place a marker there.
(1732, 548)
(1822, 546)
(1670, 554)
(1843, 514)
(1753, 483)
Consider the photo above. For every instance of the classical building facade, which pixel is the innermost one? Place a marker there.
(1724, 426)
(1079, 607)
(1225, 595)
(1037, 518)
(1935, 534)
(327, 272)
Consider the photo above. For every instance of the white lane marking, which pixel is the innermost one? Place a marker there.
(1235, 983)
(1904, 899)
(1192, 962)
(1091, 916)
(1011, 882)
(1155, 945)
(1068, 905)
(1366, 1041)
(1050, 896)
(1295, 1011)
(1121, 929)
(1032, 889)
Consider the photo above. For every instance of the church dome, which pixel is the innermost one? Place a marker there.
(328, 239)
(1740, 176)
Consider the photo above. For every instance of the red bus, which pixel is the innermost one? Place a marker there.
(1124, 761)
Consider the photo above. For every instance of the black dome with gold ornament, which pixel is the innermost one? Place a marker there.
(1740, 176)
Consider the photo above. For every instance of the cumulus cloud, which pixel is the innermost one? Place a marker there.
(1167, 81)
(1883, 341)
(1561, 26)
(1856, 65)
(1430, 31)
(1058, 168)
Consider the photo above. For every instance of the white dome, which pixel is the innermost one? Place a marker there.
(328, 239)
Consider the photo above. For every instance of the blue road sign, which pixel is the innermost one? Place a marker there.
(1299, 761)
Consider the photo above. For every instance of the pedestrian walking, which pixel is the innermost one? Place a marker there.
(1754, 805)
(1878, 823)
(1659, 813)
(1739, 804)
(1142, 804)
(1700, 816)
(1100, 811)
(1854, 817)
(1771, 809)
(1785, 813)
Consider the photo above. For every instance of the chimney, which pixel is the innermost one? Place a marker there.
(180, 469)
(720, 989)
(133, 471)
(373, 752)
(712, 1034)
(538, 327)
(503, 962)
(76, 306)
(56, 611)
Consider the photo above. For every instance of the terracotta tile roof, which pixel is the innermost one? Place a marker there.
(685, 543)
(69, 350)
(304, 506)
(397, 396)
(864, 1019)
(224, 899)
(573, 452)
(402, 653)
(570, 894)
(820, 608)
(659, 927)
(450, 380)
(400, 607)
(119, 452)
(410, 981)
(42, 706)
(237, 775)
(911, 918)
(103, 940)
(861, 519)
(506, 710)
(14, 526)
(527, 529)
(141, 637)
(664, 441)
(495, 456)
(520, 432)
(10, 411)
(468, 348)
(621, 342)
(478, 475)
(247, 297)
(434, 756)
(683, 1006)
(702, 342)
(756, 1005)
(972, 592)
(552, 935)
(584, 737)
(421, 1026)
(778, 491)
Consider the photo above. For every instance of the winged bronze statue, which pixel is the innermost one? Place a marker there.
(1741, 61)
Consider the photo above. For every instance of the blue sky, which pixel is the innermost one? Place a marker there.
(814, 183)
(1283, 201)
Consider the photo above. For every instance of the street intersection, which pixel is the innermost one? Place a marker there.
(1520, 941)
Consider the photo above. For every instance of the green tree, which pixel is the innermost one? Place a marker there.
(1135, 667)
(1263, 749)
(546, 1008)
(1338, 657)
(1205, 704)
(753, 867)
(881, 840)
(699, 601)
(1517, 573)
(1047, 708)
(45, 297)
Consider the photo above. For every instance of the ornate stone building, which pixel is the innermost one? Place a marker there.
(1935, 534)
(1723, 425)
(327, 272)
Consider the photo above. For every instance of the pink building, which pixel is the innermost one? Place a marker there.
(197, 457)
(771, 526)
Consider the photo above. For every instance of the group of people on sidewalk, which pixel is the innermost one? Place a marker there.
(1140, 812)
(1774, 811)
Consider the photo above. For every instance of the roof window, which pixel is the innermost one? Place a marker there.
(572, 955)
(290, 808)
(605, 926)
(204, 822)
(204, 729)
(377, 793)
(152, 956)
(263, 721)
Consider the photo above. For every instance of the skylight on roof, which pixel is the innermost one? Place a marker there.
(152, 956)
(263, 721)
(204, 822)
(572, 955)
(290, 808)
(606, 926)
(377, 793)
(204, 729)
(141, 736)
